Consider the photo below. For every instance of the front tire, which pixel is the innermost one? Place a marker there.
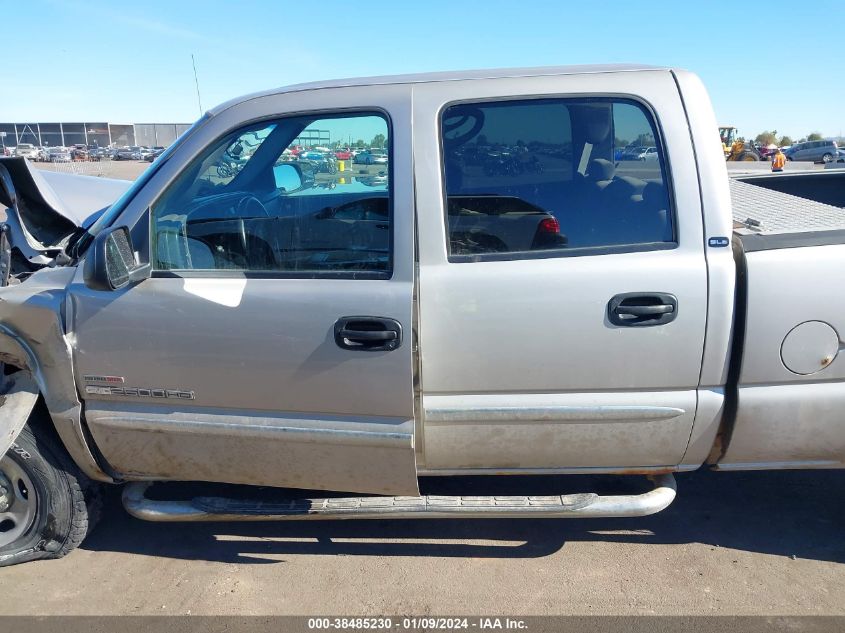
(48, 505)
(827, 158)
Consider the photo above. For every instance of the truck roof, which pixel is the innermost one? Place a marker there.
(493, 73)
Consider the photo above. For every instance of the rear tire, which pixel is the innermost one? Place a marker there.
(51, 504)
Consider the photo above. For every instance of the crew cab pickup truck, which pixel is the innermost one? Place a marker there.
(234, 317)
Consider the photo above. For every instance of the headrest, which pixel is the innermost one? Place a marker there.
(623, 187)
(600, 169)
(654, 194)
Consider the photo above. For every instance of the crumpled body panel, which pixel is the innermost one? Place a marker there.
(33, 338)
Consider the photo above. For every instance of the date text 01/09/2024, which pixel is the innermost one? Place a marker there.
(413, 623)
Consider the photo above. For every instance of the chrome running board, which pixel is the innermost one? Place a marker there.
(585, 505)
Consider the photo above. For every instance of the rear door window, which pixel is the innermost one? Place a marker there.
(553, 178)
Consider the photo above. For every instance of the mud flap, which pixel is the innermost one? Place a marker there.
(19, 396)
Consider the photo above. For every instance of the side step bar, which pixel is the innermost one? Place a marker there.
(587, 505)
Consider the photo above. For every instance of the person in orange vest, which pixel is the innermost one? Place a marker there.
(778, 161)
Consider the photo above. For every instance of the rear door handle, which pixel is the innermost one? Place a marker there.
(642, 309)
(367, 333)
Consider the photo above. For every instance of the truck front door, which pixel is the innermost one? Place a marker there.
(272, 344)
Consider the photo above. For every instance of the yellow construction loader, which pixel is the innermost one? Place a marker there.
(734, 148)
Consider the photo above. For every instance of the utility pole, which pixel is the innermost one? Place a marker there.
(196, 81)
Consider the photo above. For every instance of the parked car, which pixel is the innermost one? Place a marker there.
(274, 332)
(26, 150)
(815, 151)
(97, 153)
(321, 162)
(633, 152)
(839, 162)
(371, 157)
(128, 153)
(154, 153)
(650, 153)
(79, 152)
(59, 155)
(343, 154)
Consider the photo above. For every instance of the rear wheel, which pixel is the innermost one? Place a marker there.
(46, 504)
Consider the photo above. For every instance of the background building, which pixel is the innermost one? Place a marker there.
(101, 134)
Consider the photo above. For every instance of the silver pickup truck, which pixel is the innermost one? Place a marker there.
(505, 295)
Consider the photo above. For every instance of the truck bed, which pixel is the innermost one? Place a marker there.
(767, 218)
(787, 392)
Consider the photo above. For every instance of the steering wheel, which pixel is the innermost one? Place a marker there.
(249, 207)
(457, 121)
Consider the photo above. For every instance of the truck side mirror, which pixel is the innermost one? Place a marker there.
(288, 177)
(110, 263)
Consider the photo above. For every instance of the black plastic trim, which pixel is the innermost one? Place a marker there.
(257, 274)
(386, 338)
(567, 252)
(726, 426)
(663, 310)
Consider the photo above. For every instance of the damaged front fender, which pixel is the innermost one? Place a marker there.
(20, 394)
(33, 339)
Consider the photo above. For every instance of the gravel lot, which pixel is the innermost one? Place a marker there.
(122, 169)
(747, 543)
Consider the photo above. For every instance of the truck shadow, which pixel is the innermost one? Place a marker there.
(789, 513)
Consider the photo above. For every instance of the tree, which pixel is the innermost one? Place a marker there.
(784, 141)
(645, 140)
(359, 143)
(815, 136)
(620, 142)
(378, 141)
(767, 138)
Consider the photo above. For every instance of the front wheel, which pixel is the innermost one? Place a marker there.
(46, 504)
(827, 158)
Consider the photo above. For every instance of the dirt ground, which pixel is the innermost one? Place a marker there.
(122, 169)
(746, 543)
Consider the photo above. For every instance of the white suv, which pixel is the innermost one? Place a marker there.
(26, 150)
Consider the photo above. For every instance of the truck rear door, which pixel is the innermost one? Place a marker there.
(563, 283)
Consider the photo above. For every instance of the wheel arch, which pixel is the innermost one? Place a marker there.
(24, 379)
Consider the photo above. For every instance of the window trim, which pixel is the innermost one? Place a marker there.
(225, 273)
(586, 251)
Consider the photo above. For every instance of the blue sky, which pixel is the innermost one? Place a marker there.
(75, 60)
